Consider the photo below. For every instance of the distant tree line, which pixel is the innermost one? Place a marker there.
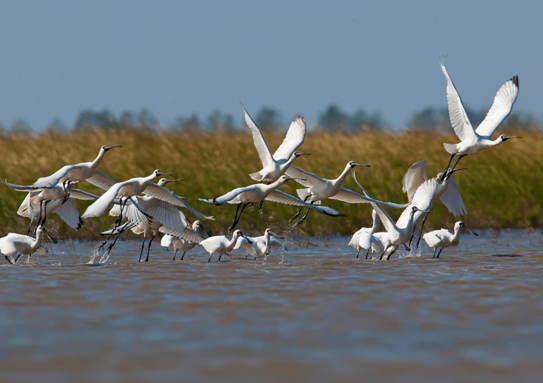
(333, 118)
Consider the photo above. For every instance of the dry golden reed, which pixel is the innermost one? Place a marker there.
(502, 188)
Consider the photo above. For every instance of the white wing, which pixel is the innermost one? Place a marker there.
(239, 243)
(52, 180)
(423, 199)
(197, 213)
(277, 243)
(188, 234)
(98, 207)
(303, 177)
(368, 241)
(453, 199)
(413, 178)
(164, 194)
(287, 199)
(228, 196)
(295, 137)
(80, 194)
(7, 246)
(349, 196)
(501, 108)
(383, 215)
(260, 143)
(459, 119)
(21, 188)
(69, 213)
(101, 180)
(432, 238)
(166, 241)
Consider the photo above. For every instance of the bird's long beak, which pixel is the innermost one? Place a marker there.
(455, 170)
(368, 166)
(204, 229)
(508, 137)
(176, 180)
(302, 154)
(49, 235)
(112, 147)
(248, 240)
(164, 174)
(276, 235)
(472, 232)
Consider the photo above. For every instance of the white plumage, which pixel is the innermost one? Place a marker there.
(15, 245)
(182, 244)
(363, 238)
(441, 239)
(261, 246)
(274, 166)
(220, 244)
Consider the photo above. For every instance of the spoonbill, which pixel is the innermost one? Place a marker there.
(74, 173)
(319, 189)
(18, 244)
(261, 246)
(441, 239)
(220, 244)
(165, 215)
(182, 244)
(65, 209)
(398, 233)
(360, 239)
(276, 164)
(447, 191)
(473, 141)
(248, 195)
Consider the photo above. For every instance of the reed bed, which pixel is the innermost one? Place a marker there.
(502, 188)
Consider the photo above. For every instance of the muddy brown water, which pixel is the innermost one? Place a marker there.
(318, 314)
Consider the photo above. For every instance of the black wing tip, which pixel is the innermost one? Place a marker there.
(515, 80)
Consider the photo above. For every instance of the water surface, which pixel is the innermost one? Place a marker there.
(316, 314)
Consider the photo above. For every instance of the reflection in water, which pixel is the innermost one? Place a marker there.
(320, 315)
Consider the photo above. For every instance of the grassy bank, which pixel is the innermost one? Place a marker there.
(503, 187)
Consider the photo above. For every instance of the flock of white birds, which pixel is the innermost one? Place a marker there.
(149, 208)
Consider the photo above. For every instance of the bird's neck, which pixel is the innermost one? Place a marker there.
(287, 164)
(39, 238)
(375, 226)
(98, 158)
(268, 244)
(231, 244)
(495, 142)
(456, 233)
(276, 184)
(341, 178)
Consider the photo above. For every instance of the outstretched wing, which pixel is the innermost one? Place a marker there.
(69, 213)
(414, 177)
(349, 196)
(501, 108)
(459, 119)
(453, 199)
(98, 207)
(295, 138)
(160, 192)
(304, 177)
(52, 180)
(101, 180)
(287, 199)
(260, 143)
(80, 194)
(228, 196)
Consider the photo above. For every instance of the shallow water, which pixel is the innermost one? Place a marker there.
(318, 315)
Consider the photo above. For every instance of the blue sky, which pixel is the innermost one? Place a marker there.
(60, 57)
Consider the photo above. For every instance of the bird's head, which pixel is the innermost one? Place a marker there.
(158, 173)
(285, 178)
(106, 148)
(165, 181)
(415, 209)
(298, 154)
(198, 225)
(238, 233)
(352, 164)
(504, 138)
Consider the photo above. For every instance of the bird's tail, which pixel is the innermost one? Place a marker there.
(256, 176)
(451, 148)
(302, 193)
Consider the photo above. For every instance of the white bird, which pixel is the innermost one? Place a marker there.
(18, 244)
(397, 234)
(261, 246)
(167, 218)
(363, 239)
(318, 189)
(276, 164)
(441, 239)
(220, 244)
(247, 195)
(181, 244)
(74, 173)
(473, 141)
(41, 202)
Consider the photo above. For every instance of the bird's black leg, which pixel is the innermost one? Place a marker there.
(304, 217)
(149, 248)
(220, 256)
(422, 227)
(117, 222)
(435, 249)
(235, 218)
(458, 160)
(44, 214)
(175, 255)
(238, 218)
(367, 253)
(439, 253)
(260, 206)
(183, 256)
(450, 160)
(357, 253)
(29, 227)
(16, 259)
(142, 248)
(299, 211)
(209, 260)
